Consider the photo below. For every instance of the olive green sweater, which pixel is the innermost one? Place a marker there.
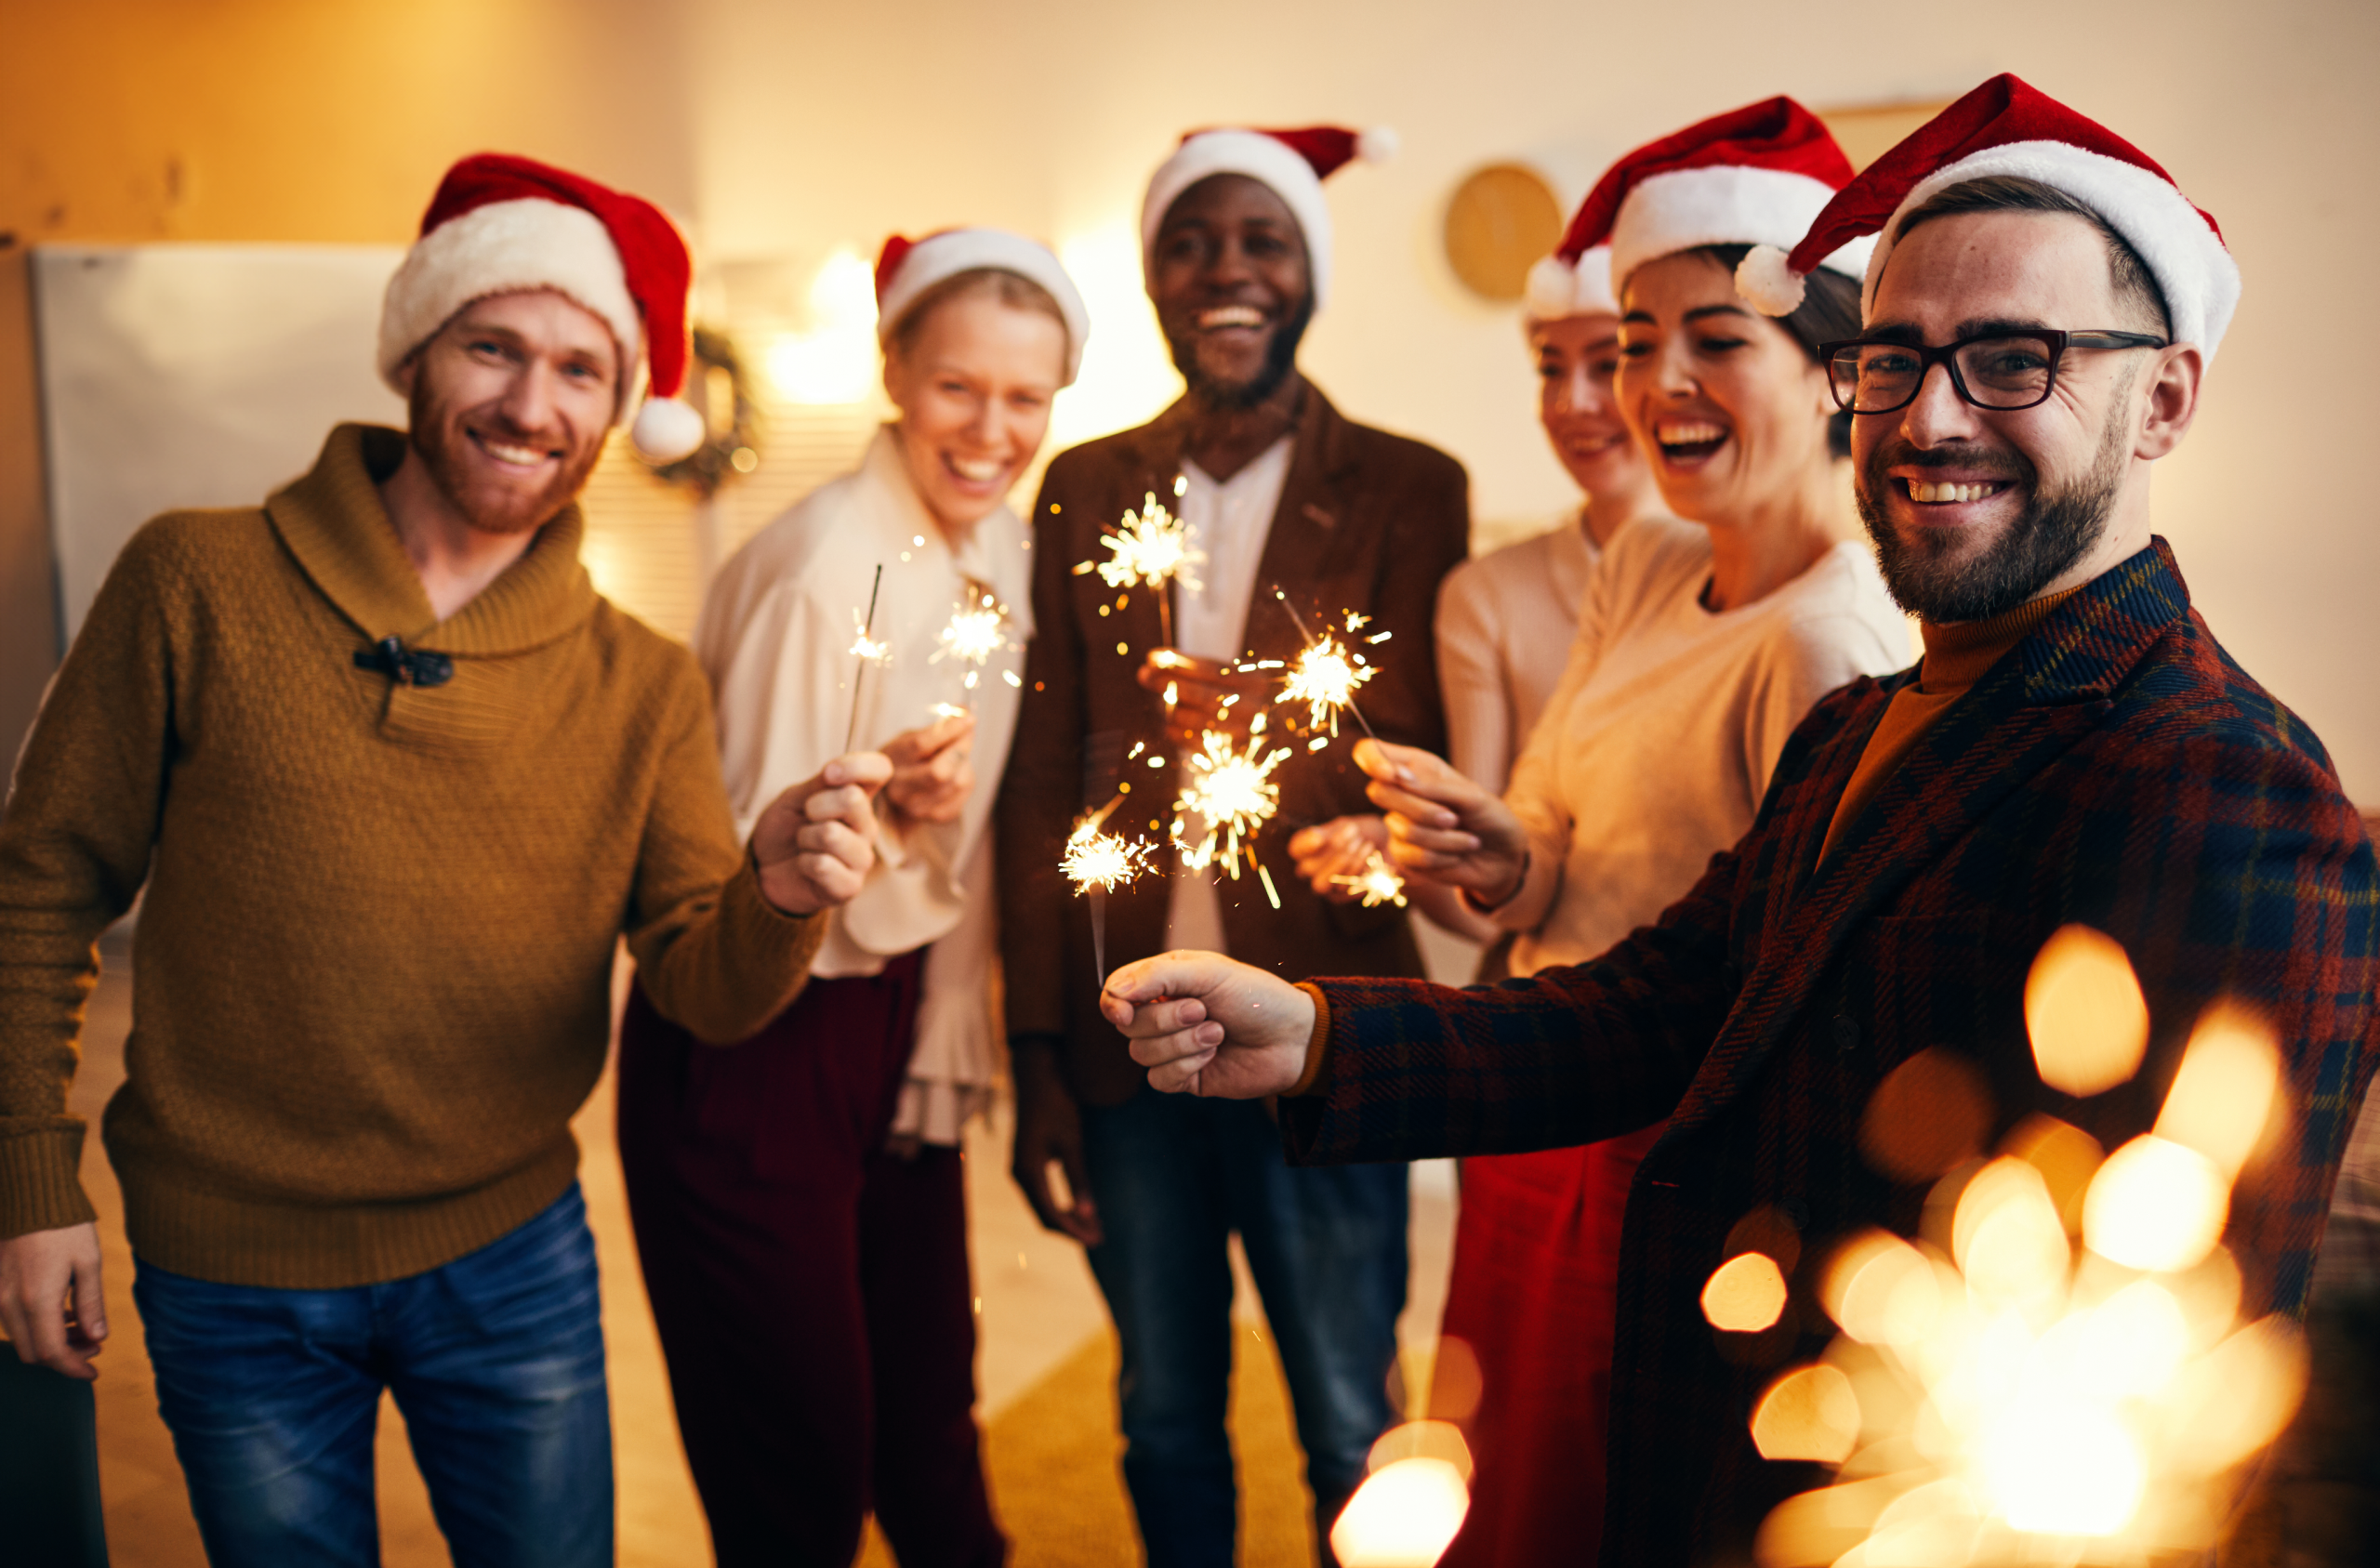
(370, 977)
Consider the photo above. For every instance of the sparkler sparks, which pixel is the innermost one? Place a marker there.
(1377, 882)
(1325, 675)
(976, 631)
(1230, 793)
(1103, 861)
(1150, 546)
(2056, 1371)
(1325, 678)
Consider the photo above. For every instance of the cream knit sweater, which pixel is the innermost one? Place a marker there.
(372, 971)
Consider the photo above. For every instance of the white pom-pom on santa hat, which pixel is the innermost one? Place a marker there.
(1552, 282)
(666, 429)
(1377, 144)
(1768, 283)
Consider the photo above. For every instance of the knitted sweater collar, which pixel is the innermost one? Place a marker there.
(332, 521)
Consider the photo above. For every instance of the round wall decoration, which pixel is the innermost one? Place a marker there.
(1500, 220)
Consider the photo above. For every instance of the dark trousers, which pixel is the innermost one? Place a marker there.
(810, 1289)
(1174, 1176)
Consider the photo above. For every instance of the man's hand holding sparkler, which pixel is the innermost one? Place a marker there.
(932, 774)
(814, 845)
(1202, 694)
(1442, 826)
(1205, 1024)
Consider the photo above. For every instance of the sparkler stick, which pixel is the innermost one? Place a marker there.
(867, 653)
(1325, 675)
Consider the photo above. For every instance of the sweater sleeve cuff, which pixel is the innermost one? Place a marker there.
(775, 940)
(40, 1185)
(1318, 1050)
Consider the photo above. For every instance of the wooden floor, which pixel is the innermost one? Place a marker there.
(1045, 1376)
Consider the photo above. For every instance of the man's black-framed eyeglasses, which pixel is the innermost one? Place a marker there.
(2001, 370)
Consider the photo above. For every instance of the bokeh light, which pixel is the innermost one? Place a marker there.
(2085, 1012)
(1744, 1294)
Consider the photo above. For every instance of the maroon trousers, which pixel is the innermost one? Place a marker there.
(810, 1289)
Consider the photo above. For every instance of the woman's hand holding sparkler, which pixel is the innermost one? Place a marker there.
(931, 776)
(816, 844)
(1332, 856)
(1205, 1024)
(1442, 826)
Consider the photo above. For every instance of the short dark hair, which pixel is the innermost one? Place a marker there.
(1829, 310)
(2134, 284)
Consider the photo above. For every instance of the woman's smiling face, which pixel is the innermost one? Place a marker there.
(1725, 406)
(1576, 357)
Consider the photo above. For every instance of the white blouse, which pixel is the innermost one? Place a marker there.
(776, 637)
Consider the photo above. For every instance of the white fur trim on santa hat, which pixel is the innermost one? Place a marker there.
(1557, 288)
(1270, 163)
(2199, 278)
(940, 256)
(1725, 204)
(500, 248)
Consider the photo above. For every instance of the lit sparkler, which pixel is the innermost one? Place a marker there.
(1230, 793)
(1098, 863)
(1150, 546)
(1378, 882)
(1325, 674)
(977, 629)
(867, 650)
(2000, 1394)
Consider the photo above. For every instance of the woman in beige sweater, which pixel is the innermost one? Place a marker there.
(1700, 646)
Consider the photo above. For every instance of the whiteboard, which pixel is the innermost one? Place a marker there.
(193, 375)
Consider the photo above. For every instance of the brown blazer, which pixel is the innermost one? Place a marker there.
(1368, 521)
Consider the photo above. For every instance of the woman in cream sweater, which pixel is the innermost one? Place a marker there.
(798, 1196)
(1700, 646)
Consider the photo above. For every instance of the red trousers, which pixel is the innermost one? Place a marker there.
(1536, 1256)
(810, 1289)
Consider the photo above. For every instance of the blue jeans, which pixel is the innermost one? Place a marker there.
(496, 1359)
(1173, 1177)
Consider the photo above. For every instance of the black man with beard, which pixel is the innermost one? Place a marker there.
(1278, 489)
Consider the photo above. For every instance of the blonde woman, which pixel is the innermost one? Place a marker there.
(798, 1196)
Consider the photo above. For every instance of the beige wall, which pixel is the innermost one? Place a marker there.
(783, 131)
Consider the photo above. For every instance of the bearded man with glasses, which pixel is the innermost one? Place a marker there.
(2074, 749)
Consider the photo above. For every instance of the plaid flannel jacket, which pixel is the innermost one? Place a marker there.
(2117, 768)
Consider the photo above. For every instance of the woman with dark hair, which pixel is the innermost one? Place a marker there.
(1702, 644)
(799, 1197)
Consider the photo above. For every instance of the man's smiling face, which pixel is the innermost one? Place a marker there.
(509, 404)
(1231, 287)
(1972, 512)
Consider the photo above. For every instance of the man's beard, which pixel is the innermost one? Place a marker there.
(433, 434)
(1280, 359)
(2053, 531)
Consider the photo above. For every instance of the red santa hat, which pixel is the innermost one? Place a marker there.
(1753, 176)
(1291, 164)
(906, 269)
(499, 224)
(2007, 127)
